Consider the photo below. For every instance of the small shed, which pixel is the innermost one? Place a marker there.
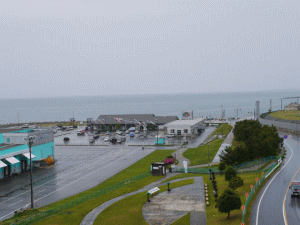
(159, 169)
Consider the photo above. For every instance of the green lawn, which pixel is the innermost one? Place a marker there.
(222, 129)
(288, 115)
(128, 211)
(201, 154)
(82, 209)
(185, 220)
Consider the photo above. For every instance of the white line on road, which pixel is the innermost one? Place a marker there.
(63, 175)
(269, 185)
(15, 203)
(70, 183)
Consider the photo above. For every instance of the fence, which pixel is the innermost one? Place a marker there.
(43, 215)
(248, 198)
(240, 166)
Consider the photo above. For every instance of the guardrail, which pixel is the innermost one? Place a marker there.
(43, 215)
(248, 198)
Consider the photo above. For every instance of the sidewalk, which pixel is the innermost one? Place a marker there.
(193, 192)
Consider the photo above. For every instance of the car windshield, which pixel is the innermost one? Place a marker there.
(296, 186)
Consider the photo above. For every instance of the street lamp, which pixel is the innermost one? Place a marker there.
(157, 131)
(30, 140)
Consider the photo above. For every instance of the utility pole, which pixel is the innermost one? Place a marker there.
(30, 140)
(270, 105)
(281, 103)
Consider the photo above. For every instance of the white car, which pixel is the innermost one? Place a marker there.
(136, 132)
(106, 139)
(127, 132)
(119, 132)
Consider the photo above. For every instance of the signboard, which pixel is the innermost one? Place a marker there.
(187, 115)
(185, 165)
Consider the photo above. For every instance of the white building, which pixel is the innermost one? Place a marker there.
(185, 127)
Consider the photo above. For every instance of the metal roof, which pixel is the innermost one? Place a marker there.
(132, 118)
(185, 122)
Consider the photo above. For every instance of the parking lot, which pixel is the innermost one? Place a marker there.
(138, 139)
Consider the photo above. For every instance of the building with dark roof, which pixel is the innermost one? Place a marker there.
(130, 120)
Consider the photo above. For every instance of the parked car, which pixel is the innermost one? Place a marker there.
(118, 132)
(113, 140)
(96, 136)
(123, 139)
(106, 139)
(127, 132)
(91, 140)
(136, 132)
(97, 132)
(107, 133)
(131, 134)
(66, 139)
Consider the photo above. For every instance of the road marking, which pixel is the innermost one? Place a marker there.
(269, 185)
(63, 175)
(68, 184)
(283, 206)
(15, 203)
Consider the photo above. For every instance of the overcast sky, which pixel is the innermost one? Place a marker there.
(92, 47)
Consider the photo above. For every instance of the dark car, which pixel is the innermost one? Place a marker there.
(113, 140)
(123, 139)
(97, 132)
(96, 137)
(66, 139)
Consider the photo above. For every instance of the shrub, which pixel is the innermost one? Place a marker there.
(222, 166)
(170, 156)
(229, 173)
(228, 201)
(236, 182)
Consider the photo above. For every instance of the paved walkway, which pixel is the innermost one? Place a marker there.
(197, 188)
(195, 144)
(167, 207)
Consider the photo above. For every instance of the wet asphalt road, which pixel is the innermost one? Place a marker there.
(269, 201)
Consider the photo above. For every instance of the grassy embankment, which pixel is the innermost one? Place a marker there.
(204, 154)
(81, 210)
(287, 115)
(222, 129)
(129, 210)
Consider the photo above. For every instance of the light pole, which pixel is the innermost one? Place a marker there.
(157, 131)
(30, 140)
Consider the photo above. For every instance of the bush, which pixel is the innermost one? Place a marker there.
(236, 182)
(170, 156)
(222, 166)
(228, 201)
(229, 173)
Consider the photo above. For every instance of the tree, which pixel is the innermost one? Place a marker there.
(118, 126)
(228, 201)
(229, 173)
(222, 166)
(236, 182)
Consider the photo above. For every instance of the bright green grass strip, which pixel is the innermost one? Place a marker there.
(201, 154)
(185, 220)
(128, 211)
(222, 129)
(82, 209)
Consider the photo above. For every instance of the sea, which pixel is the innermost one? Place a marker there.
(212, 105)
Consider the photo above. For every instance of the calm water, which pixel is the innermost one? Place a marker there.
(62, 108)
